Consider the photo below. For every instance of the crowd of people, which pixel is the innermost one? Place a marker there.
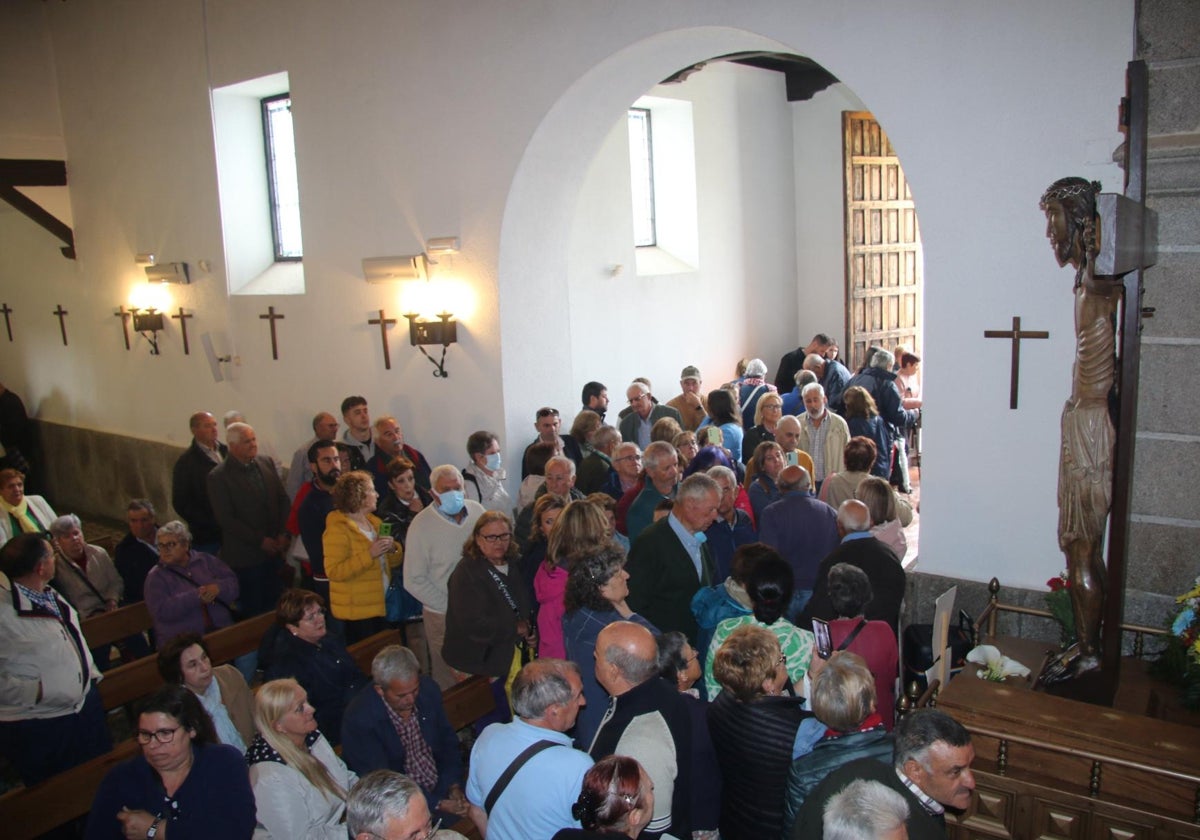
(643, 611)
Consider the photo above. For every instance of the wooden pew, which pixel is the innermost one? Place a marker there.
(109, 627)
(365, 650)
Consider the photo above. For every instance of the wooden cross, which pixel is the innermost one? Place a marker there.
(383, 323)
(272, 317)
(62, 322)
(1015, 334)
(183, 328)
(124, 315)
(7, 310)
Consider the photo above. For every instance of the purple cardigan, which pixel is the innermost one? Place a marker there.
(172, 595)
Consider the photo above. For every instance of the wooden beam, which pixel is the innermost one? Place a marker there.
(40, 216)
(33, 173)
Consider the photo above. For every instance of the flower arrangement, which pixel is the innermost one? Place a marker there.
(1058, 600)
(1180, 661)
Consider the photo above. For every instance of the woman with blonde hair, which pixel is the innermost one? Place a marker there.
(889, 513)
(299, 782)
(767, 412)
(581, 527)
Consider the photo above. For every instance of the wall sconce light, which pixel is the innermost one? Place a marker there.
(143, 260)
(167, 272)
(443, 332)
(387, 269)
(148, 321)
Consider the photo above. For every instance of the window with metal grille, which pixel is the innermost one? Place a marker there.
(641, 174)
(281, 177)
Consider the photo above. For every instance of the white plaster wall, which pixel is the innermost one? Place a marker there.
(739, 299)
(423, 118)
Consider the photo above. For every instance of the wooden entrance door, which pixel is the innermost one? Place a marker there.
(883, 244)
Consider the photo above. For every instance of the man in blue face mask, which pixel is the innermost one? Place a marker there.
(434, 547)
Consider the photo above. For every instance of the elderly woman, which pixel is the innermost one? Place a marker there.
(723, 413)
(581, 527)
(84, 574)
(843, 701)
(183, 785)
(405, 500)
(222, 690)
(890, 514)
(21, 514)
(359, 560)
(766, 465)
(858, 456)
(753, 387)
(687, 446)
(679, 664)
(317, 661)
(597, 587)
(489, 630)
(875, 641)
(299, 782)
(769, 585)
(863, 420)
(753, 729)
(617, 800)
(584, 428)
(484, 477)
(767, 413)
(188, 591)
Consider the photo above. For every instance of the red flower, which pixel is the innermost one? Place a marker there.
(1057, 584)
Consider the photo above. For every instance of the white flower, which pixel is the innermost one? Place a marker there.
(996, 666)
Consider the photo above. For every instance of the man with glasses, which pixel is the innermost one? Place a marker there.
(385, 805)
(560, 480)
(636, 425)
(547, 423)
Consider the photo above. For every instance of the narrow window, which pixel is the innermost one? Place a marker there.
(641, 173)
(281, 177)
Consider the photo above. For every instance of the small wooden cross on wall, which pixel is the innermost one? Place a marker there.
(383, 322)
(182, 317)
(62, 322)
(1015, 334)
(7, 310)
(124, 314)
(272, 317)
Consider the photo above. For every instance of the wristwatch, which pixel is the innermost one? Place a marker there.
(153, 829)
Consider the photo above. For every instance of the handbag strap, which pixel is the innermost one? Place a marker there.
(846, 642)
(750, 398)
(512, 770)
(175, 571)
(82, 576)
(504, 590)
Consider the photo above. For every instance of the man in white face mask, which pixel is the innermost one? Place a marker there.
(434, 547)
(823, 434)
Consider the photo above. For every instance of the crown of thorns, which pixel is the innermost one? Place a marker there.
(1059, 191)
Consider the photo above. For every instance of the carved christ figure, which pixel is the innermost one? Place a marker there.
(1086, 458)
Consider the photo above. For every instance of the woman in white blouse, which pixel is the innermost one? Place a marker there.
(299, 782)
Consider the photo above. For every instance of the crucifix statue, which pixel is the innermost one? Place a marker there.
(62, 322)
(7, 310)
(272, 317)
(182, 317)
(384, 322)
(1085, 469)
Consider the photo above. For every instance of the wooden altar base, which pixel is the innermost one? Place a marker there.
(1051, 767)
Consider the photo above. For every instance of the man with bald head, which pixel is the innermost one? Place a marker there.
(648, 720)
(189, 482)
(252, 508)
(802, 529)
(325, 427)
(859, 548)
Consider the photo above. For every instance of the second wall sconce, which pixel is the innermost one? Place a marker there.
(148, 321)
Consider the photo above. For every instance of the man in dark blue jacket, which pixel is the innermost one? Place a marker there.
(880, 382)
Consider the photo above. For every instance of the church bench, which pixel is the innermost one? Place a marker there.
(365, 650)
(109, 627)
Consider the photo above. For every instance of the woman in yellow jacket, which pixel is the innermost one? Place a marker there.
(358, 560)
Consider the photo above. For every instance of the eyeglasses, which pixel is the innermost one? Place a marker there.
(495, 538)
(313, 616)
(167, 544)
(629, 458)
(547, 412)
(638, 398)
(426, 833)
(773, 406)
(163, 736)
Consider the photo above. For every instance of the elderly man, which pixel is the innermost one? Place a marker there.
(823, 434)
(357, 417)
(84, 574)
(880, 382)
(325, 428)
(560, 480)
(189, 482)
(644, 413)
(434, 547)
(398, 723)
(692, 403)
(792, 403)
(732, 527)
(647, 719)
(661, 462)
(832, 375)
(802, 529)
(252, 508)
(866, 810)
(136, 554)
(385, 805)
(547, 423)
(669, 562)
(389, 444)
(931, 769)
(859, 548)
(51, 716)
(597, 474)
(794, 360)
(595, 398)
(545, 773)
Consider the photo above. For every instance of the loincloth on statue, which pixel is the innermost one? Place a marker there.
(1084, 472)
